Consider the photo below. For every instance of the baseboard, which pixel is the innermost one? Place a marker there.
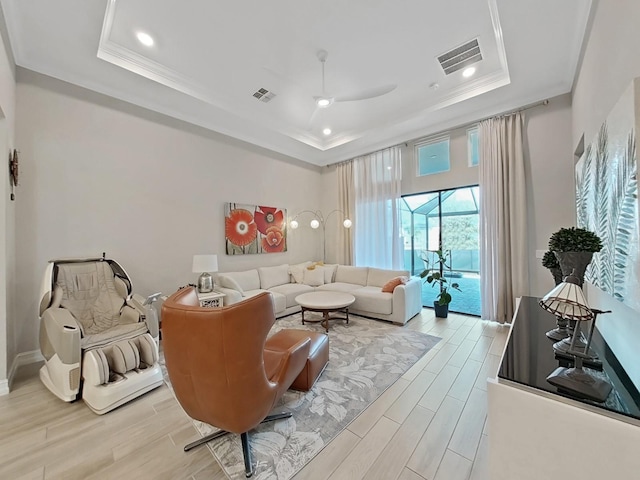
(24, 358)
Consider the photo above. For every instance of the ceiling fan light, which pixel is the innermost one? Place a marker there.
(323, 102)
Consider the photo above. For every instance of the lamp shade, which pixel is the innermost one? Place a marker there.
(205, 263)
(567, 301)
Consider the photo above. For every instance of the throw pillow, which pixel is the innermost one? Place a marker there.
(297, 271)
(228, 282)
(329, 272)
(314, 277)
(314, 265)
(390, 286)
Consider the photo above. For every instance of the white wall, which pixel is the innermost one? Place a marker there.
(103, 175)
(611, 61)
(550, 182)
(7, 212)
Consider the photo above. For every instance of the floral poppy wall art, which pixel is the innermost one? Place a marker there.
(254, 229)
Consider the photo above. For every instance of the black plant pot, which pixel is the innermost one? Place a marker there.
(441, 310)
(557, 275)
(575, 262)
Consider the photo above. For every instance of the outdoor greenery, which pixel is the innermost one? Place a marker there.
(461, 232)
(434, 273)
(574, 240)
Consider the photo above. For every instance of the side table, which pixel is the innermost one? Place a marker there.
(211, 299)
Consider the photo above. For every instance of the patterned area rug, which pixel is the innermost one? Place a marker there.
(365, 358)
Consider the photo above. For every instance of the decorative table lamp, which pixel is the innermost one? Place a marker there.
(204, 264)
(567, 301)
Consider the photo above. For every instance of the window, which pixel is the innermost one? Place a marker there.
(433, 156)
(472, 146)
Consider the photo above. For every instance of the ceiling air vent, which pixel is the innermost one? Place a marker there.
(264, 95)
(460, 57)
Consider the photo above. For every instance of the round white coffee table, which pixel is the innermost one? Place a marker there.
(325, 303)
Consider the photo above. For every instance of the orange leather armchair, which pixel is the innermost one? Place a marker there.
(216, 363)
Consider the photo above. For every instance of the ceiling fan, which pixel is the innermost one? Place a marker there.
(325, 100)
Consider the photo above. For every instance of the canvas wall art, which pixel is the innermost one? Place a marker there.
(254, 229)
(607, 200)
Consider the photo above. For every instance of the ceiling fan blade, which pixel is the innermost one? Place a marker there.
(313, 117)
(367, 94)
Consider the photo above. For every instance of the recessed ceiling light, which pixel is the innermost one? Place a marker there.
(434, 86)
(467, 72)
(145, 39)
(327, 131)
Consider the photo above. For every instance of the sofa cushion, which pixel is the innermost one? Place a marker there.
(248, 280)
(371, 299)
(378, 277)
(355, 275)
(297, 271)
(291, 291)
(340, 287)
(314, 277)
(279, 300)
(329, 272)
(228, 282)
(272, 276)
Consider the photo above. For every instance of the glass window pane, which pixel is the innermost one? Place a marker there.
(433, 157)
(460, 200)
(472, 146)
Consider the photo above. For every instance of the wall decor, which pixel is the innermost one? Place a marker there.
(13, 171)
(254, 229)
(607, 200)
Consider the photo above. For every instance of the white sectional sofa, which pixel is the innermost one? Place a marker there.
(286, 282)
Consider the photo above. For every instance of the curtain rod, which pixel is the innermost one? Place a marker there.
(544, 102)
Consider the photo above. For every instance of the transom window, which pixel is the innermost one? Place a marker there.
(433, 156)
(472, 146)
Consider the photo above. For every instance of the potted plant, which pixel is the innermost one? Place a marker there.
(434, 275)
(550, 261)
(574, 249)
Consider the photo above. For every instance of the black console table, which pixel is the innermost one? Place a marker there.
(537, 431)
(529, 357)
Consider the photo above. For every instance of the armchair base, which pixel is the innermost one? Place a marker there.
(246, 450)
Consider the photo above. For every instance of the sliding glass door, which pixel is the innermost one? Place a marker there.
(447, 218)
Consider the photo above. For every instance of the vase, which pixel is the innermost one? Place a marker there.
(574, 262)
(441, 310)
(557, 275)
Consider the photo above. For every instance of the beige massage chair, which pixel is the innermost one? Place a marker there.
(99, 342)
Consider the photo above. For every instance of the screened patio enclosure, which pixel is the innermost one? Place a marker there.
(450, 217)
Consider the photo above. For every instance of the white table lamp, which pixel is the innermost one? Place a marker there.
(204, 264)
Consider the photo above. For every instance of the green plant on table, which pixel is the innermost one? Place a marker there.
(575, 240)
(549, 260)
(434, 274)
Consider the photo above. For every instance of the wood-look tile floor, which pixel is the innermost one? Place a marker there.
(431, 424)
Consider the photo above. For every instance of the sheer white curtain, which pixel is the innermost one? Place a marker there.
(346, 203)
(504, 270)
(377, 241)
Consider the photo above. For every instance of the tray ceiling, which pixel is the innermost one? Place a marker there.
(209, 59)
